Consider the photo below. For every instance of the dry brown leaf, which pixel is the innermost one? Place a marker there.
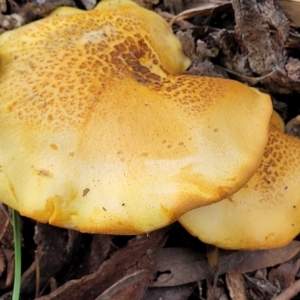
(129, 287)
(203, 9)
(285, 274)
(290, 292)
(248, 261)
(236, 285)
(293, 39)
(291, 9)
(177, 266)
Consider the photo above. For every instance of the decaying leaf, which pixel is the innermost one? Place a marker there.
(291, 9)
(285, 274)
(203, 9)
(177, 266)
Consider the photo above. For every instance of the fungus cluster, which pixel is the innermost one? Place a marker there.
(100, 133)
(265, 212)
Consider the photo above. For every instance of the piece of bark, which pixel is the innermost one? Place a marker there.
(2, 263)
(293, 69)
(262, 43)
(6, 228)
(262, 40)
(95, 255)
(138, 254)
(55, 248)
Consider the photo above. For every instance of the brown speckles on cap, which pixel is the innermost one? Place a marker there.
(101, 44)
(278, 165)
(210, 90)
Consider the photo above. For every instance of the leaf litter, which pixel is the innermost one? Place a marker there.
(222, 40)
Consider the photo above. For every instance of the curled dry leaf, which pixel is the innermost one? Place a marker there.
(291, 9)
(203, 10)
(124, 289)
(177, 266)
(294, 39)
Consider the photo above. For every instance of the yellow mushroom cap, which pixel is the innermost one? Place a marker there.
(265, 212)
(96, 135)
(277, 120)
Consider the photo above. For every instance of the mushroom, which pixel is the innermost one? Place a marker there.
(277, 121)
(263, 214)
(99, 134)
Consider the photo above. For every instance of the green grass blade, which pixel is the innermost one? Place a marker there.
(17, 243)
